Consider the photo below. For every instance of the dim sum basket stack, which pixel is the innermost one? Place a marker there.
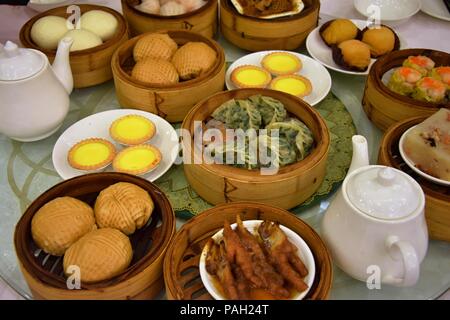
(90, 66)
(289, 187)
(202, 20)
(170, 102)
(437, 203)
(143, 278)
(181, 272)
(255, 34)
(385, 107)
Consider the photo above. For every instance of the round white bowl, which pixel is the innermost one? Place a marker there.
(303, 251)
(390, 11)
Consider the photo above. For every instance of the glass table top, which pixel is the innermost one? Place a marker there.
(26, 171)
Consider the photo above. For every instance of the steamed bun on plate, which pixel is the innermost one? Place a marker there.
(102, 23)
(47, 31)
(83, 39)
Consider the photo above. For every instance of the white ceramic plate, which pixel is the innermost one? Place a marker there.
(436, 8)
(318, 75)
(97, 125)
(303, 250)
(411, 164)
(41, 6)
(322, 53)
(390, 11)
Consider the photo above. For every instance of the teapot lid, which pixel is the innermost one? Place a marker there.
(384, 193)
(18, 63)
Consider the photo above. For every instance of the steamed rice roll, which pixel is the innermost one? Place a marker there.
(430, 90)
(403, 80)
(420, 63)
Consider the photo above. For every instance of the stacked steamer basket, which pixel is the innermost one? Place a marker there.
(202, 20)
(141, 280)
(181, 273)
(171, 102)
(437, 204)
(385, 107)
(90, 66)
(254, 34)
(292, 185)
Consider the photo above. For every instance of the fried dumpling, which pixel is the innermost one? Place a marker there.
(352, 55)
(61, 222)
(381, 40)
(338, 30)
(123, 206)
(101, 254)
(193, 59)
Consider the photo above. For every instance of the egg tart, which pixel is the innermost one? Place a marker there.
(137, 160)
(91, 154)
(293, 84)
(281, 63)
(248, 76)
(132, 129)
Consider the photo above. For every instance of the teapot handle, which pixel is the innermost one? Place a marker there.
(410, 261)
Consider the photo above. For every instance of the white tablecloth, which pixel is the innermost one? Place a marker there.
(421, 31)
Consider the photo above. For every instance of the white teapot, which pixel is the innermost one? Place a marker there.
(376, 222)
(34, 96)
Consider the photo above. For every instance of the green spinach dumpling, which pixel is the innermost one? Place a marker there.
(271, 109)
(238, 114)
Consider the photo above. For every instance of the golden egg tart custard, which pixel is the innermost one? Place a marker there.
(293, 84)
(91, 154)
(132, 130)
(137, 160)
(249, 76)
(281, 63)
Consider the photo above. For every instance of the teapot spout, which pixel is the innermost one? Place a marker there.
(360, 157)
(61, 65)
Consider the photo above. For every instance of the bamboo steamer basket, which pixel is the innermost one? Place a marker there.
(169, 102)
(141, 280)
(202, 20)
(253, 34)
(90, 66)
(292, 185)
(385, 107)
(181, 272)
(437, 197)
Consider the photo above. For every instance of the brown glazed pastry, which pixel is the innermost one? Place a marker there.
(61, 222)
(155, 72)
(381, 40)
(353, 55)
(335, 31)
(154, 45)
(193, 59)
(101, 255)
(123, 206)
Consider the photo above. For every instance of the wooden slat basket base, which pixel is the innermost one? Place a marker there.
(181, 273)
(437, 197)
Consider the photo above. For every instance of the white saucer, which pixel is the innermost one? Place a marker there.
(97, 126)
(322, 53)
(318, 75)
